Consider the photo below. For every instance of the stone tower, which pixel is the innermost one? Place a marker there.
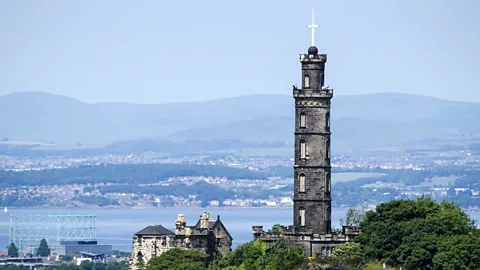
(312, 199)
(312, 170)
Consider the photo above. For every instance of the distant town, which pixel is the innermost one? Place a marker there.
(273, 191)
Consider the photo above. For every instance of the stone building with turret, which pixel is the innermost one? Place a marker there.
(312, 207)
(208, 236)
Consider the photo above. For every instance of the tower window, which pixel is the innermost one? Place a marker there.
(302, 182)
(303, 150)
(303, 119)
(327, 121)
(306, 81)
(327, 149)
(327, 213)
(139, 256)
(327, 182)
(301, 217)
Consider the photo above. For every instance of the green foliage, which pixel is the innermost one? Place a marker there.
(87, 265)
(349, 255)
(43, 250)
(326, 262)
(67, 258)
(336, 230)
(235, 258)
(12, 250)
(99, 266)
(254, 255)
(275, 228)
(284, 256)
(179, 259)
(353, 217)
(257, 255)
(411, 233)
(377, 266)
(458, 252)
(13, 267)
(123, 265)
(141, 265)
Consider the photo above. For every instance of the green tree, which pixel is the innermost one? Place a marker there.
(409, 233)
(179, 259)
(123, 265)
(43, 250)
(349, 254)
(458, 252)
(141, 265)
(336, 230)
(86, 265)
(67, 258)
(275, 228)
(65, 266)
(12, 250)
(353, 217)
(256, 255)
(235, 258)
(284, 256)
(99, 266)
(13, 267)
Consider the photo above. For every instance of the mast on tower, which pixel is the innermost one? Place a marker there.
(313, 26)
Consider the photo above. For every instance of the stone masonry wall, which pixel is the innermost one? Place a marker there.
(148, 247)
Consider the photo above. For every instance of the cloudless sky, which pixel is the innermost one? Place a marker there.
(153, 51)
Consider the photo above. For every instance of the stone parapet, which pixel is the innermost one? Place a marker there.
(312, 243)
(313, 58)
(313, 93)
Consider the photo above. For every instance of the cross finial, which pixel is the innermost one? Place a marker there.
(313, 26)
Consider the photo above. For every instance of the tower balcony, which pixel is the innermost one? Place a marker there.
(313, 93)
(313, 58)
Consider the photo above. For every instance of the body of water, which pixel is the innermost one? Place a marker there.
(117, 226)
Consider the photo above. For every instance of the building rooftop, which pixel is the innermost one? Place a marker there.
(155, 230)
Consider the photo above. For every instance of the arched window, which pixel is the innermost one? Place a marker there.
(307, 81)
(303, 150)
(302, 182)
(327, 121)
(303, 122)
(301, 217)
(327, 182)
(139, 256)
(164, 241)
(327, 149)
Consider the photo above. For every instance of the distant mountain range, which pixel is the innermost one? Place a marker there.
(360, 121)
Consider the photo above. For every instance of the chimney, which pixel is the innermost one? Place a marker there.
(204, 219)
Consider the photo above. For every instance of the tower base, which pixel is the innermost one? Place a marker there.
(313, 244)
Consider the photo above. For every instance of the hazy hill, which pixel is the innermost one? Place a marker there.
(361, 120)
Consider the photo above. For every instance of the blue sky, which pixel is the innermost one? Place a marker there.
(170, 51)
